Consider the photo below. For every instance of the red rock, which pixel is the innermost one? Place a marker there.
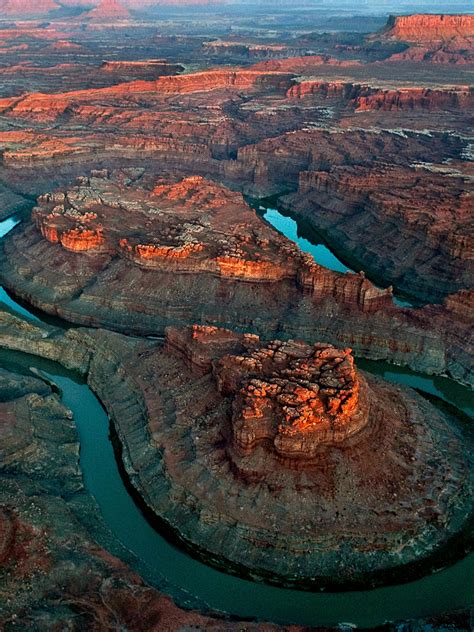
(27, 7)
(367, 97)
(429, 27)
(413, 98)
(107, 9)
(212, 415)
(402, 203)
(438, 39)
(295, 396)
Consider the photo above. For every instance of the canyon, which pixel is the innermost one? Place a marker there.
(138, 257)
(195, 492)
(139, 150)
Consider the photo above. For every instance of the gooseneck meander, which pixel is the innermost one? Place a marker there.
(168, 568)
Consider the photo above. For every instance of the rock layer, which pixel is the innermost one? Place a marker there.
(429, 27)
(53, 571)
(174, 417)
(425, 214)
(137, 259)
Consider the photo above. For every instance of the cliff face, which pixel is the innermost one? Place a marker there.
(440, 39)
(194, 252)
(412, 206)
(416, 98)
(429, 27)
(80, 220)
(50, 527)
(177, 407)
(274, 164)
(181, 410)
(366, 97)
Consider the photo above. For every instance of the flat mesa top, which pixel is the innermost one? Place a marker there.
(190, 219)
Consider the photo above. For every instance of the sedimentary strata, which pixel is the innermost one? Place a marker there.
(281, 504)
(53, 567)
(434, 38)
(284, 422)
(424, 213)
(429, 27)
(110, 252)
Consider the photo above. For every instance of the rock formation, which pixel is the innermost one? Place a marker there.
(52, 538)
(429, 27)
(435, 38)
(107, 10)
(292, 395)
(282, 507)
(26, 7)
(137, 259)
(253, 443)
(403, 203)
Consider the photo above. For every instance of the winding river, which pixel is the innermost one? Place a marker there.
(321, 253)
(164, 565)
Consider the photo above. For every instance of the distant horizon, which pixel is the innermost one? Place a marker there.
(373, 7)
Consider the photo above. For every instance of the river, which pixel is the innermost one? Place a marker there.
(161, 563)
(320, 251)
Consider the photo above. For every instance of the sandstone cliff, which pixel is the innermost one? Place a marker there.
(429, 27)
(205, 257)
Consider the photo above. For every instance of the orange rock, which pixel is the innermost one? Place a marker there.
(296, 396)
(429, 27)
(79, 240)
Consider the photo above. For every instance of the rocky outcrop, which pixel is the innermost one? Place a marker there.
(245, 50)
(196, 442)
(303, 65)
(429, 27)
(441, 39)
(195, 252)
(416, 206)
(367, 97)
(454, 51)
(147, 70)
(107, 10)
(296, 397)
(413, 98)
(273, 165)
(51, 533)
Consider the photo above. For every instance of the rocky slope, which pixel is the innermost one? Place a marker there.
(198, 442)
(116, 254)
(255, 129)
(54, 570)
(147, 249)
(435, 38)
(425, 215)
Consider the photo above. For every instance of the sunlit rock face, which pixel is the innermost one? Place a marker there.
(439, 39)
(294, 396)
(136, 253)
(429, 27)
(282, 459)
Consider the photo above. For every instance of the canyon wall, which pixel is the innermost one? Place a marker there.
(427, 27)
